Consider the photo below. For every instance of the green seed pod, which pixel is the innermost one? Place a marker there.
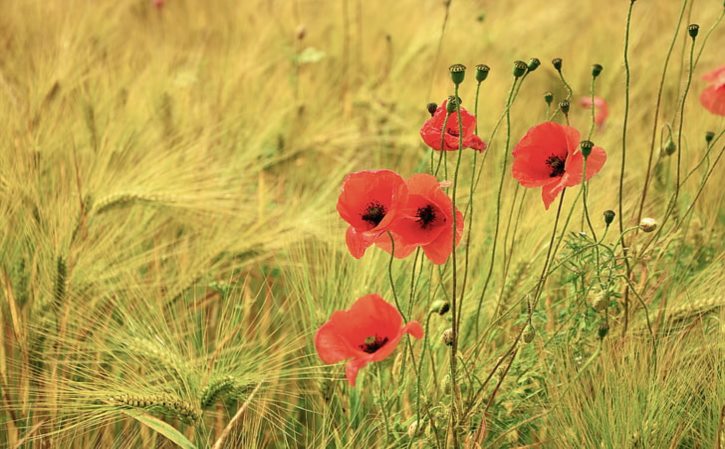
(520, 68)
(586, 146)
(556, 62)
(693, 29)
(670, 147)
(482, 72)
(548, 98)
(529, 334)
(603, 330)
(609, 217)
(709, 136)
(458, 73)
(596, 70)
(534, 64)
(564, 105)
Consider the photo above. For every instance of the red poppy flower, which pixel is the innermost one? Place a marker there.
(369, 201)
(713, 97)
(425, 221)
(368, 332)
(601, 111)
(548, 157)
(431, 130)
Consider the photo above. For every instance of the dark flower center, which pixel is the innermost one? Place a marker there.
(426, 215)
(557, 165)
(373, 343)
(374, 214)
(453, 132)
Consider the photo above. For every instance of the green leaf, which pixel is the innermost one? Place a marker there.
(161, 427)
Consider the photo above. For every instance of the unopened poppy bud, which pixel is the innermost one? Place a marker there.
(413, 430)
(432, 108)
(556, 62)
(587, 146)
(440, 307)
(548, 98)
(458, 73)
(534, 64)
(520, 68)
(564, 106)
(529, 334)
(482, 72)
(451, 105)
(301, 32)
(670, 147)
(648, 224)
(693, 29)
(609, 217)
(448, 337)
(596, 70)
(603, 330)
(709, 136)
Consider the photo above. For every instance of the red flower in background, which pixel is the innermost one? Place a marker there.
(370, 201)
(431, 130)
(368, 332)
(548, 157)
(426, 221)
(713, 97)
(601, 111)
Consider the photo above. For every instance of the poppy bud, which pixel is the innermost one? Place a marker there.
(548, 98)
(709, 136)
(564, 106)
(301, 32)
(693, 29)
(603, 330)
(451, 104)
(670, 147)
(413, 430)
(529, 334)
(458, 72)
(556, 62)
(596, 70)
(534, 64)
(609, 217)
(440, 307)
(432, 107)
(587, 146)
(648, 224)
(448, 337)
(520, 68)
(482, 72)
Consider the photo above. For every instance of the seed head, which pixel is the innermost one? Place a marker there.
(432, 108)
(596, 70)
(693, 29)
(534, 64)
(452, 104)
(458, 73)
(603, 330)
(548, 98)
(482, 72)
(448, 337)
(709, 136)
(609, 217)
(520, 68)
(564, 106)
(556, 62)
(648, 224)
(587, 146)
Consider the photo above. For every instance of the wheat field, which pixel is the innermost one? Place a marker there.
(170, 244)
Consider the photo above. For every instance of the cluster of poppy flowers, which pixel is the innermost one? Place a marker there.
(399, 215)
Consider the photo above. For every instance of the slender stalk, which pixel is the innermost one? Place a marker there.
(682, 121)
(628, 77)
(382, 403)
(390, 277)
(645, 187)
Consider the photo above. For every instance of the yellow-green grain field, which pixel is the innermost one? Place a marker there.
(170, 244)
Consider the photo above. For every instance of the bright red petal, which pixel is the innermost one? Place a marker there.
(550, 191)
(351, 369)
(357, 242)
(713, 99)
(574, 165)
(439, 250)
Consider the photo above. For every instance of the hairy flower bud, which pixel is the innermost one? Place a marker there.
(448, 337)
(432, 107)
(440, 307)
(709, 136)
(670, 147)
(564, 105)
(609, 217)
(648, 224)
(529, 334)
(603, 330)
(548, 98)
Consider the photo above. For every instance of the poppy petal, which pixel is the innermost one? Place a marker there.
(330, 347)
(357, 242)
(574, 165)
(414, 329)
(713, 99)
(351, 369)
(550, 191)
(439, 250)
